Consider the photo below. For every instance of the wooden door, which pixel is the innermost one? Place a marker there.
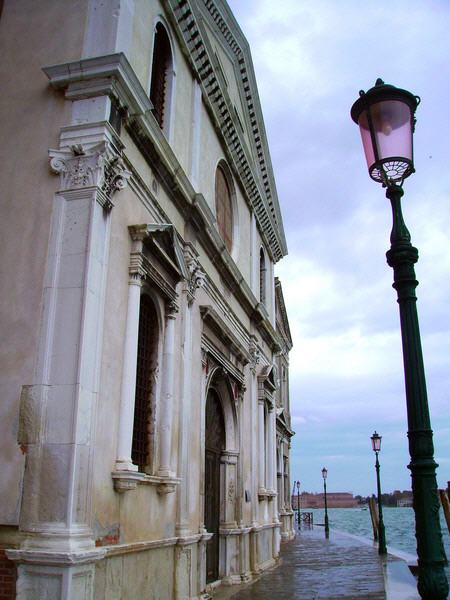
(214, 445)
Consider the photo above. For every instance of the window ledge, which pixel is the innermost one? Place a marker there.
(129, 480)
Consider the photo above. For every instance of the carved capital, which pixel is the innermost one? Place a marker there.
(196, 275)
(171, 309)
(97, 166)
(255, 355)
(136, 269)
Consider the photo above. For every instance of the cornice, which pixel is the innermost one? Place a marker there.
(283, 326)
(101, 75)
(260, 191)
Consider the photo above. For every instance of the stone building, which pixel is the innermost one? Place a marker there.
(145, 428)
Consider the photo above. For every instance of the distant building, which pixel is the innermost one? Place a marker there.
(404, 498)
(404, 502)
(334, 500)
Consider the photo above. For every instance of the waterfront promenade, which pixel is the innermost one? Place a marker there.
(342, 568)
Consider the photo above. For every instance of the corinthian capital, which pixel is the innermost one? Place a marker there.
(196, 274)
(99, 166)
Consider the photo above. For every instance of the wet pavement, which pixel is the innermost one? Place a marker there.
(342, 567)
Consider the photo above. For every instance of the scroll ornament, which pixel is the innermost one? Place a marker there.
(98, 166)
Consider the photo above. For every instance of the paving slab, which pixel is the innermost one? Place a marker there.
(342, 567)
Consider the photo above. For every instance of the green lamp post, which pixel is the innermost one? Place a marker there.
(298, 503)
(385, 115)
(376, 447)
(324, 475)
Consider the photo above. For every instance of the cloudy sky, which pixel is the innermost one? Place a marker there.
(311, 58)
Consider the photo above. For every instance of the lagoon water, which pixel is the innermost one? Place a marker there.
(398, 522)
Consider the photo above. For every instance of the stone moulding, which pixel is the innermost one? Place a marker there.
(258, 528)
(121, 549)
(56, 558)
(102, 75)
(234, 530)
(266, 494)
(129, 480)
(215, 356)
(220, 327)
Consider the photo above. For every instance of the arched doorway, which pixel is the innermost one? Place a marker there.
(214, 446)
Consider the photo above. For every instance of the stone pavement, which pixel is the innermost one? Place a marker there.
(342, 568)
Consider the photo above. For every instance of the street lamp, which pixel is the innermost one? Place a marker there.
(385, 115)
(298, 503)
(376, 447)
(324, 475)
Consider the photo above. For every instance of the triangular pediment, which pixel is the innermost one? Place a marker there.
(163, 240)
(267, 377)
(161, 253)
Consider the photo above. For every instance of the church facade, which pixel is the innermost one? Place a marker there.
(145, 420)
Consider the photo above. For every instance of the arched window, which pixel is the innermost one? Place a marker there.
(162, 71)
(224, 208)
(145, 382)
(262, 276)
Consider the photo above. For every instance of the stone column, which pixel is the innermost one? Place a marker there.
(167, 392)
(262, 446)
(182, 527)
(281, 477)
(128, 389)
(270, 460)
(254, 427)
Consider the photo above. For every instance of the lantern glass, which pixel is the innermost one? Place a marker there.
(324, 473)
(385, 115)
(376, 442)
(388, 148)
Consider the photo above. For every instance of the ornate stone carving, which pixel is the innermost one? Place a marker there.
(205, 362)
(97, 166)
(196, 275)
(136, 269)
(231, 490)
(255, 355)
(171, 309)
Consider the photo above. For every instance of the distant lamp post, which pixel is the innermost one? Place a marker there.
(376, 447)
(298, 502)
(324, 475)
(385, 115)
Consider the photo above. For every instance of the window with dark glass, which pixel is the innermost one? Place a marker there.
(161, 69)
(224, 210)
(145, 378)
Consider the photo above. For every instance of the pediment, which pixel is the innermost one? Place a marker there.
(161, 242)
(267, 377)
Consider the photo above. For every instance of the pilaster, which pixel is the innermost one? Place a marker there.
(58, 410)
